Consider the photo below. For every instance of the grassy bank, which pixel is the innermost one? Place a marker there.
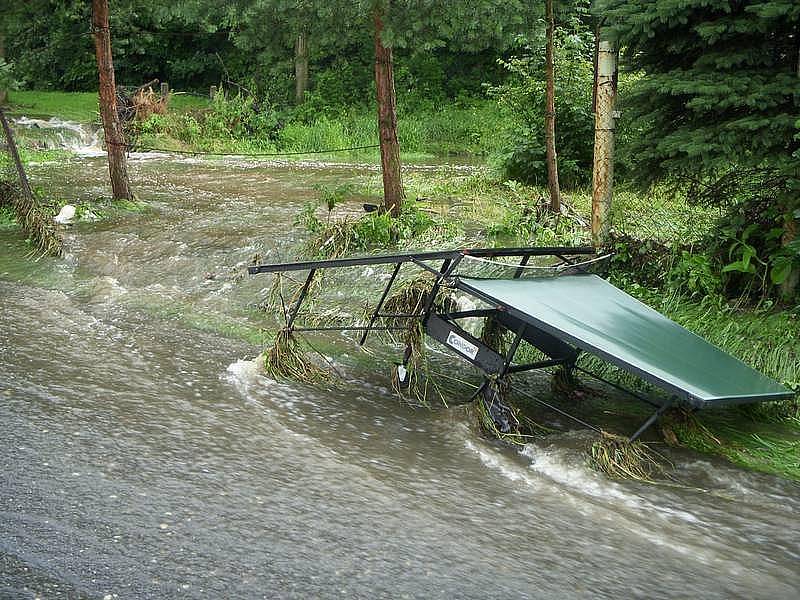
(78, 106)
(486, 211)
(192, 123)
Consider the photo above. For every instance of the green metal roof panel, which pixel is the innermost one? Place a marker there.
(595, 316)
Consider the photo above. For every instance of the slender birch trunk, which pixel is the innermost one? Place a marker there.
(550, 113)
(603, 167)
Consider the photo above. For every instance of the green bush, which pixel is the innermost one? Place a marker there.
(332, 237)
(522, 99)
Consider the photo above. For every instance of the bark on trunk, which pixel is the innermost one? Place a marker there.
(115, 140)
(550, 114)
(301, 67)
(393, 193)
(603, 167)
(789, 285)
(3, 93)
(12, 151)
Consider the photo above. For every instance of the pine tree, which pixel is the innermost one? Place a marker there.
(718, 106)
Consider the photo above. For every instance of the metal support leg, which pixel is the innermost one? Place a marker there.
(448, 266)
(650, 420)
(296, 308)
(521, 268)
(380, 303)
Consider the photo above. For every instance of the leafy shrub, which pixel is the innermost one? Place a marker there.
(237, 123)
(336, 237)
(757, 239)
(522, 97)
(695, 273)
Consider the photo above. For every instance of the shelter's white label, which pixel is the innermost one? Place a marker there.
(461, 345)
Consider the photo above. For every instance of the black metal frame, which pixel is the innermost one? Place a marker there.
(444, 328)
(560, 252)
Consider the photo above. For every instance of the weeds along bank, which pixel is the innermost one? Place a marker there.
(240, 124)
(469, 126)
(675, 269)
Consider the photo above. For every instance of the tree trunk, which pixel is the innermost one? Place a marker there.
(3, 93)
(393, 193)
(115, 140)
(550, 113)
(11, 145)
(301, 67)
(603, 167)
(789, 285)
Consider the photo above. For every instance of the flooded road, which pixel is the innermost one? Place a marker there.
(142, 455)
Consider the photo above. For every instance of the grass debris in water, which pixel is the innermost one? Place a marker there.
(34, 219)
(287, 359)
(619, 458)
(411, 299)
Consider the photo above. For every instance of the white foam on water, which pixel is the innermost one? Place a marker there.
(569, 469)
(563, 471)
(107, 289)
(70, 135)
(243, 373)
(497, 462)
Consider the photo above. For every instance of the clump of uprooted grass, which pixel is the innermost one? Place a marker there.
(286, 358)
(487, 426)
(411, 298)
(35, 219)
(619, 458)
(336, 238)
(284, 293)
(565, 383)
(678, 425)
(524, 429)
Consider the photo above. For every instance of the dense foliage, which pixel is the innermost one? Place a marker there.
(717, 111)
(442, 49)
(522, 96)
(7, 79)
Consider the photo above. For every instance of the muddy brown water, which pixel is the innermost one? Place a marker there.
(142, 455)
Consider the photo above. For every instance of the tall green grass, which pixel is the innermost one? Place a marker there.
(449, 130)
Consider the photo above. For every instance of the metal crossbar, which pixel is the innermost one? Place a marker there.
(384, 259)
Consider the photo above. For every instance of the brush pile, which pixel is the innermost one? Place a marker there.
(146, 102)
(140, 103)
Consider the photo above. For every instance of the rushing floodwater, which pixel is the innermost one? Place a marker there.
(142, 455)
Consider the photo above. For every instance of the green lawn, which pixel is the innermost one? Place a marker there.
(72, 106)
(78, 106)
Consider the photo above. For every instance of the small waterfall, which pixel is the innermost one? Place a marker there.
(80, 138)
